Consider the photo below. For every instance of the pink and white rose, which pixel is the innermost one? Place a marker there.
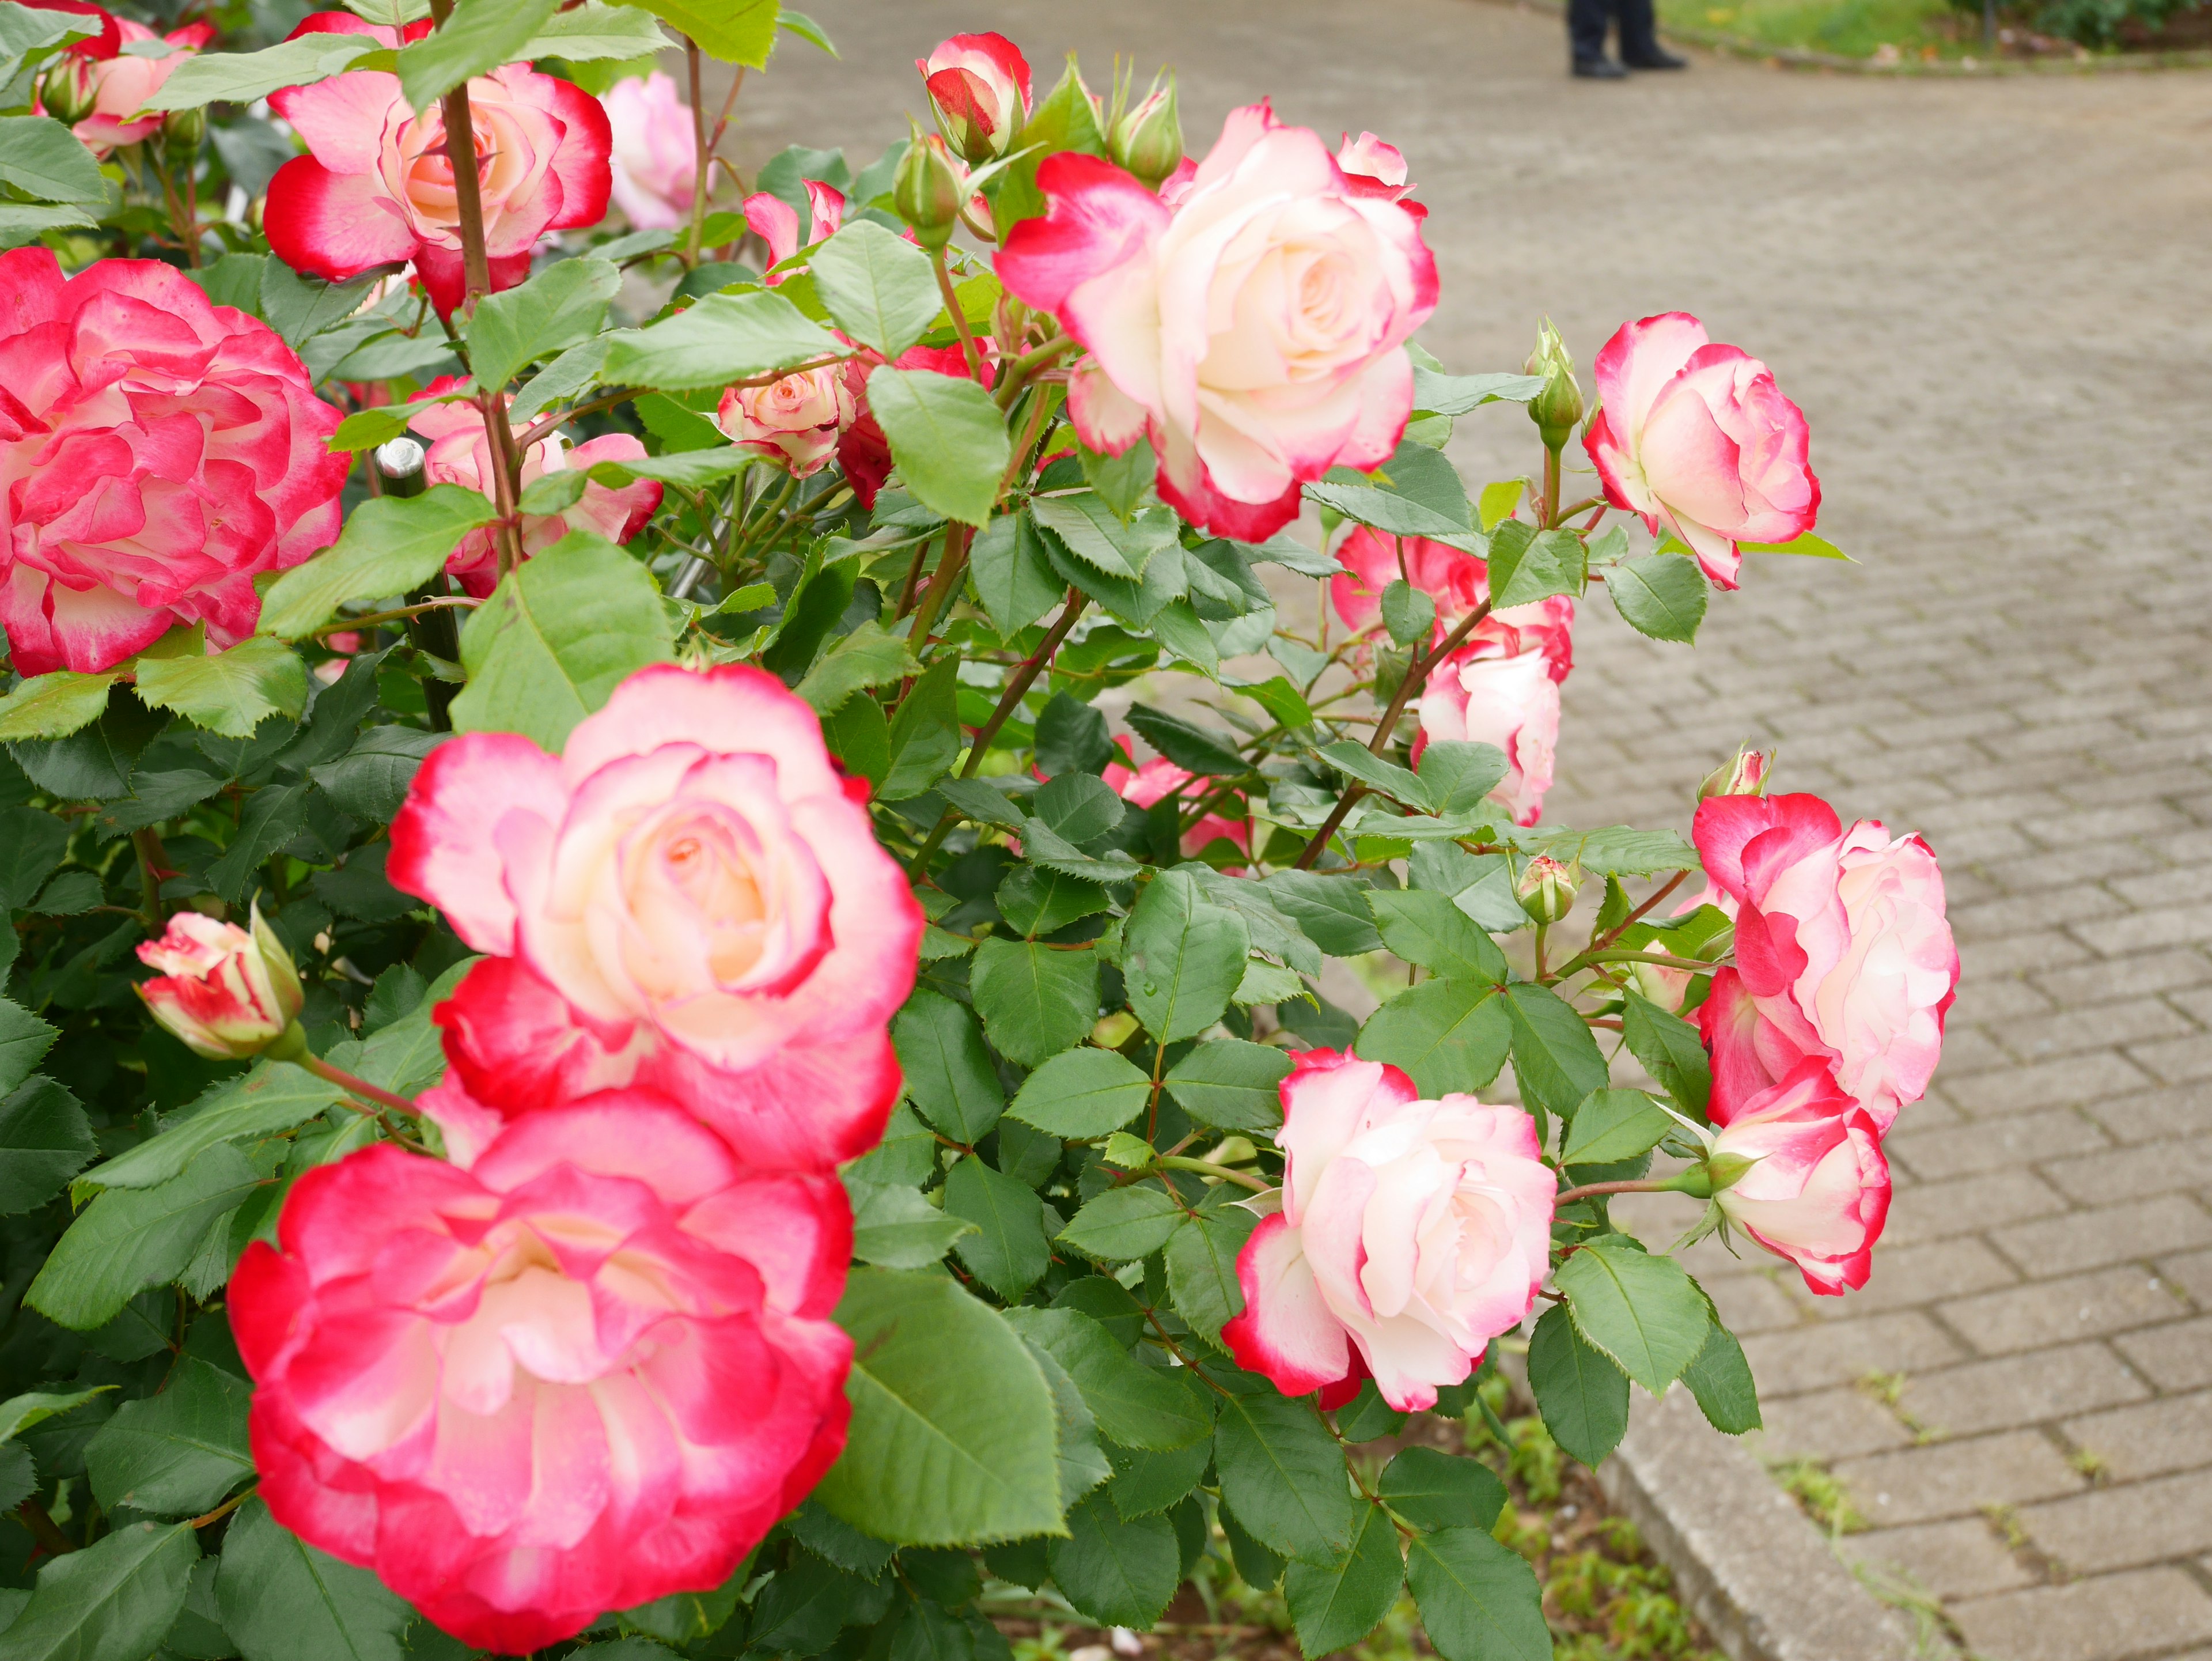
(1842, 948)
(655, 155)
(581, 1368)
(157, 454)
(776, 223)
(120, 83)
(1458, 582)
(1818, 1191)
(460, 454)
(377, 184)
(689, 897)
(1254, 332)
(979, 85)
(1147, 784)
(1411, 1233)
(1697, 439)
(795, 421)
(1511, 702)
(227, 992)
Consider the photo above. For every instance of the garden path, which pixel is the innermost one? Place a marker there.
(1990, 298)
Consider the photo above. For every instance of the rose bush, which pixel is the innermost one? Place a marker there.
(732, 855)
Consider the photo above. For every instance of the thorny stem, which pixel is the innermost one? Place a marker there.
(506, 477)
(343, 624)
(1205, 1168)
(153, 867)
(1551, 515)
(1024, 675)
(1020, 369)
(1678, 1184)
(1640, 913)
(358, 1087)
(222, 1510)
(959, 317)
(1660, 958)
(546, 424)
(943, 583)
(699, 153)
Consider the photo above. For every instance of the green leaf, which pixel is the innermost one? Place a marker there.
(1720, 1379)
(1079, 806)
(28, 34)
(947, 437)
(866, 657)
(272, 816)
(1283, 1475)
(949, 1075)
(178, 1453)
(18, 1414)
(1145, 1483)
(45, 1139)
(1555, 1060)
(1424, 927)
(1193, 749)
(1459, 775)
(1614, 1124)
(1077, 1454)
(558, 634)
(1259, 1564)
(1583, 1395)
(1012, 575)
(477, 39)
(593, 33)
(1035, 1002)
(31, 845)
(1431, 1489)
(1181, 957)
(1007, 1252)
(1035, 900)
(1090, 531)
(1202, 1264)
(1641, 1310)
(1446, 1035)
(1354, 760)
(1231, 1084)
(24, 1039)
(43, 158)
(1118, 1573)
(803, 1609)
(1407, 613)
(54, 705)
(1809, 544)
(229, 692)
(924, 734)
(1479, 1601)
(370, 781)
(1124, 1224)
(1082, 1094)
(1330, 911)
(113, 1600)
(1497, 502)
(1527, 565)
(1613, 850)
(283, 1600)
(1662, 595)
(301, 307)
(1135, 1405)
(951, 1438)
(389, 546)
(1456, 394)
(1416, 493)
(20, 223)
(723, 337)
(1671, 1052)
(735, 31)
(1336, 1604)
(364, 430)
(127, 1240)
(880, 287)
(559, 308)
(233, 77)
(894, 1228)
(276, 1096)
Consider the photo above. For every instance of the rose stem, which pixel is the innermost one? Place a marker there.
(698, 154)
(348, 1082)
(959, 317)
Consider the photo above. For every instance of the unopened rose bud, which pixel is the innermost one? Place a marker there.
(227, 992)
(979, 89)
(1658, 984)
(70, 89)
(1743, 776)
(1548, 888)
(1556, 409)
(1148, 139)
(182, 131)
(929, 191)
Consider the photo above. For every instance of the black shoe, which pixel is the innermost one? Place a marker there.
(1656, 59)
(1599, 68)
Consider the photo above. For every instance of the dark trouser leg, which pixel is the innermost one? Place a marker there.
(1639, 30)
(1586, 22)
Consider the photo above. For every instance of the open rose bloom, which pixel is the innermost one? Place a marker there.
(1254, 332)
(120, 81)
(687, 897)
(1411, 1233)
(655, 152)
(586, 1367)
(459, 453)
(157, 454)
(1697, 439)
(1818, 1191)
(376, 187)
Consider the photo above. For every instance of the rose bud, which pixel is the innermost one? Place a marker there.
(1148, 139)
(929, 191)
(1556, 409)
(1548, 888)
(182, 131)
(70, 89)
(227, 992)
(1745, 775)
(979, 86)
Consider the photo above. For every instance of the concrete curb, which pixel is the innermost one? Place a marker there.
(1747, 1562)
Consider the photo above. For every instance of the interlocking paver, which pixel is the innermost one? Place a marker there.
(1957, 1479)
(1988, 302)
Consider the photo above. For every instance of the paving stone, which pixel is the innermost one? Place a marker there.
(1963, 1205)
(2056, 1134)
(1957, 1478)
(1828, 1424)
(1963, 1558)
(2130, 977)
(2007, 1393)
(2176, 1356)
(2051, 1312)
(1751, 1303)
(2064, 1082)
(2127, 1525)
(2108, 1618)
(2155, 1116)
(2111, 1234)
(2175, 1434)
(2164, 1167)
(1806, 1358)
(2098, 1027)
(1906, 1275)
(2192, 1272)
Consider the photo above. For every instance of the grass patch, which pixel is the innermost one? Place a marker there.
(1924, 30)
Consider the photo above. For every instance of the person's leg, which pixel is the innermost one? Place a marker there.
(1639, 39)
(1586, 22)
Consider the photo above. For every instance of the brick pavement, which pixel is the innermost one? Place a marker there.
(1991, 299)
